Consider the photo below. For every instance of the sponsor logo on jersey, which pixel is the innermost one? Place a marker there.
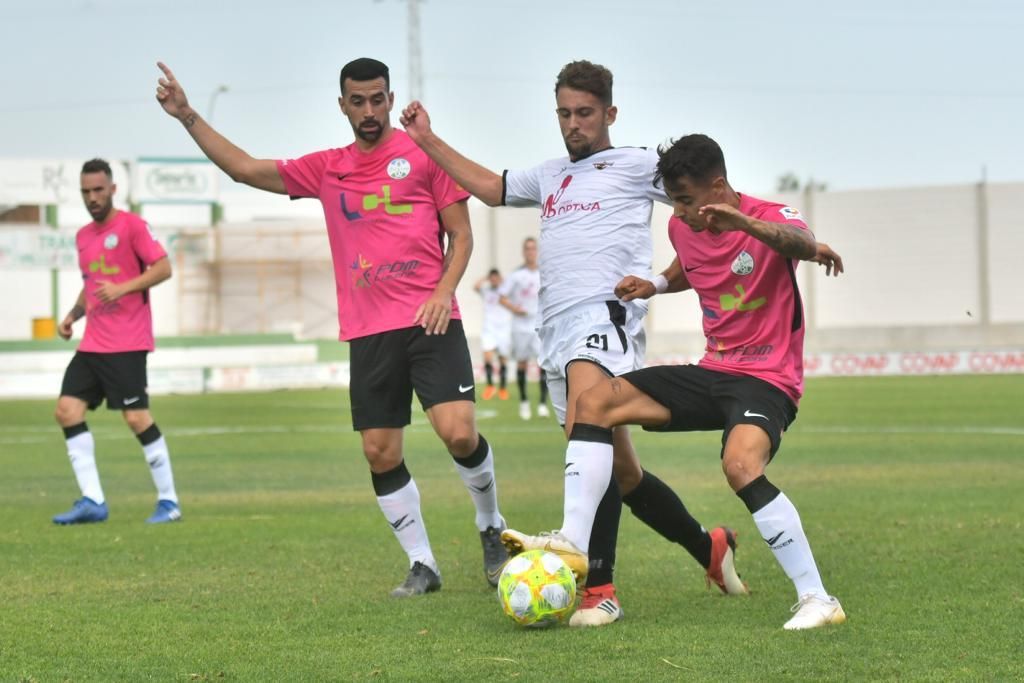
(102, 268)
(790, 214)
(372, 202)
(399, 168)
(552, 207)
(744, 264)
(739, 301)
(366, 274)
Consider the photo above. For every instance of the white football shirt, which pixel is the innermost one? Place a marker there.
(522, 288)
(595, 222)
(496, 318)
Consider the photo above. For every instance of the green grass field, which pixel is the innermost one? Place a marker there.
(911, 492)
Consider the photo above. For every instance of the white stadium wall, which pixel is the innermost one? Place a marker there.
(927, 269)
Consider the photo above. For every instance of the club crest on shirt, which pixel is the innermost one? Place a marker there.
(790, 214)
(110, 241)
(601, 165)
(399, 168)
(744, 264)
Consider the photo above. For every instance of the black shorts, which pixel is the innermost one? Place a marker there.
(705, 400)
(387, 367)
(118, 377)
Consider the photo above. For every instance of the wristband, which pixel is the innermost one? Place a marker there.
(660, 283)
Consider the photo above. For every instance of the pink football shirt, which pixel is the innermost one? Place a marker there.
(116, 252)
(382, 210)
(753, 315)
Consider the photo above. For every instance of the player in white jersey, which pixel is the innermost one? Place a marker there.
(520, 294)
(596, 206)
(495, 334)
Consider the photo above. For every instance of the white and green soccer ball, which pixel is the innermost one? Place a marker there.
(537, 588)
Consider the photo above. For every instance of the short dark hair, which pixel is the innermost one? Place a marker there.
(588, 77)
(493, 271)
(97, 166)
(364, 69)
(697, 156)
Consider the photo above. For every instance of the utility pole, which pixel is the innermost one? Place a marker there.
(415, 52)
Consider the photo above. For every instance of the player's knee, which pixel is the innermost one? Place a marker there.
(381, 456)
(592, 407)
(67, 414)
(461, 441)
(138, 420)
(742, 466)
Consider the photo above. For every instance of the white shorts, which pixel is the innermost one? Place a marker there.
(499, 341)
(525, 346)
(610, 334)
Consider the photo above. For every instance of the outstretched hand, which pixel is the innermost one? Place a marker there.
(824, 255)
(416, 120)
(170, 94)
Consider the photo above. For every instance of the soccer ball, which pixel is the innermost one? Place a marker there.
(537, 588)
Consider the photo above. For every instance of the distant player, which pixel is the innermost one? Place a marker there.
(739, 254)
(595, 211)
(121, 260)
(387, 208)
(520, 294)
(495, 334)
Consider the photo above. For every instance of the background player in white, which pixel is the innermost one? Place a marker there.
(121, 260)
(495, 334)
(520, 294)
(596, 206)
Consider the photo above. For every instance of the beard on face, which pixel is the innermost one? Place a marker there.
(578, 149)
(370, 131)
(100, 213)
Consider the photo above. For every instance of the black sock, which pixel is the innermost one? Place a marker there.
(604, 536)
(74, 430)
(502, 375)
(543, 386)
(489, 374)
(658, 506)
(758, 493)
(521, 381)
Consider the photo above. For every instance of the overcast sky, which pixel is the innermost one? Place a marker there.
(866, 94)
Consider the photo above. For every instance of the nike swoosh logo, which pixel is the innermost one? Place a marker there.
(747, 413)
(398, 522)
(342, 176)
(773, 539)
(129, 401)
(463, 389)
(483, 489)
(690, 269)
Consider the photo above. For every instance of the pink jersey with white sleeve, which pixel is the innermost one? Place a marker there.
(753, 314)
(382, 211)
(117, 251)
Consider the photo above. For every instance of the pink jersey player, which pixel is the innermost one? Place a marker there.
(381, 208)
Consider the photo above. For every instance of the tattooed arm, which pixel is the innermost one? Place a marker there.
(259, 173)
(435, 313)
(787, 240)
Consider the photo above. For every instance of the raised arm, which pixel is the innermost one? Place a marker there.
(482, 183)
(434, 314)
(259, 173)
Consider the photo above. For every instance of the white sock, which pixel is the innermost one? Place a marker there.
(82, 453)
(588, 470)
(160, 467)
(402, 510)
(779, 524)
(483, 489)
